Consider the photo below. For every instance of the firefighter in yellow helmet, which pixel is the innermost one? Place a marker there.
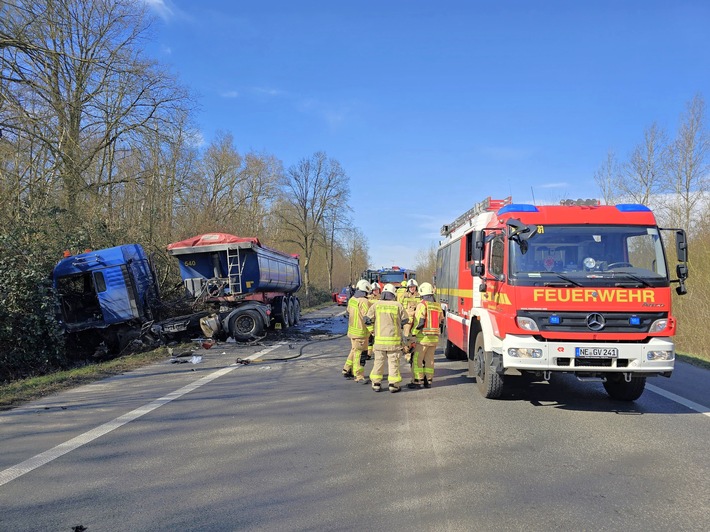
(427, 319)
(385, 319)
(409, 301)
(358, 305)
(401, 290)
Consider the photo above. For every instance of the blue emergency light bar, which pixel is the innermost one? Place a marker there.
(632, 207)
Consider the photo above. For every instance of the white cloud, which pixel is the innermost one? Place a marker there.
(230, 94)
(265, 91)
(333, 114)
(553, 185)
(163, 8)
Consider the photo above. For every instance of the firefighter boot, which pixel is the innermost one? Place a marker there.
(348, 373)
(415, 384)
(427, 383)
(376, 386)
(394, 388)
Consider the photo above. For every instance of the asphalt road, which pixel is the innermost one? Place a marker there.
(291, 445)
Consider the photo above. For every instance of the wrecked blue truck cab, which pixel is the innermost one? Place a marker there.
(110, 291)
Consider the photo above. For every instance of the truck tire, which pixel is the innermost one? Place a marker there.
(246, 325)
(451, 352)
(280, 306)
(296, 311)
(489, 383)
(619, 389)
(291, 311)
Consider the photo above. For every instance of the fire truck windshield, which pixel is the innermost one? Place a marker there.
(395, 278)
(588, 255)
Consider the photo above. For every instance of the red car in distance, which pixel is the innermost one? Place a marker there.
(341, 298)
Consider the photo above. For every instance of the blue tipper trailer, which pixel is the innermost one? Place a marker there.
(252, 285)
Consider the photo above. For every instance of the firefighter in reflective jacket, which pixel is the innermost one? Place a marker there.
(401, 290)
(358, 305)
(410, 300)
(374, 296)
(427, 318)
(385, 318)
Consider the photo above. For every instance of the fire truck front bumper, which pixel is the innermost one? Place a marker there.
(525, 353)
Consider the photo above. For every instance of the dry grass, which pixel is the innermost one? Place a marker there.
(22, 391)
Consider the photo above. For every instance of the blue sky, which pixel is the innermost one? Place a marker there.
(432, 106)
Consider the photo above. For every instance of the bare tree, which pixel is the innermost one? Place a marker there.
(335, 222)
(607, 178)
(642, 177)
(689, 165)
(356, 252)
(311, 187)
(74, 79)
(426, 264)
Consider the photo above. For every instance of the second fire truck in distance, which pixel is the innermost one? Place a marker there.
(394, 275)
(582, 289)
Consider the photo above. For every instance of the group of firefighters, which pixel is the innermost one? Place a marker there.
(386, 322)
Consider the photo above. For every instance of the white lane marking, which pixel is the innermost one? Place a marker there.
(704, 410)
(41, 459)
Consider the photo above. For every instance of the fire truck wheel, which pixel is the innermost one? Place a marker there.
(451, 352)
(619, 389)
(246, 325)
(489, 382)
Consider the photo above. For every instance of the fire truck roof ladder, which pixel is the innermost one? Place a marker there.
(487, 204)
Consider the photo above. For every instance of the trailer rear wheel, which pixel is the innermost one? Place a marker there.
(246, 325)
(488, 381)
(617, 387)
(291, 311)
(296, 311)
(280, 306)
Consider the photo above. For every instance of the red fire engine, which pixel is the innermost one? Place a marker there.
(582, 289)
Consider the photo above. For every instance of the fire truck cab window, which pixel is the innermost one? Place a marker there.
(496, 260)
(469, 247)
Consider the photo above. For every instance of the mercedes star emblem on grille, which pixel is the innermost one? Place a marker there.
(596, 322)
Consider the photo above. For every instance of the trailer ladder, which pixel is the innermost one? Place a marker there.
(234, 271)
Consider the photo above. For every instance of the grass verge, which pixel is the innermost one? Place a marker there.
(694, 360)
(22, 391)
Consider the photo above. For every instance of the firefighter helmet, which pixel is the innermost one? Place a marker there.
(363, 285)
(426, 289)
(389, 287)
(376, 286)
(404, 283)
(412, 282)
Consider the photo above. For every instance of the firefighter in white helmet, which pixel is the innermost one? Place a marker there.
(409, 301)
(385, 319)
(358, 305)
(427, 319)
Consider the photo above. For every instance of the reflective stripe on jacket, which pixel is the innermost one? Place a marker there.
(410, 302)
(387, 318)
(357, 309)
